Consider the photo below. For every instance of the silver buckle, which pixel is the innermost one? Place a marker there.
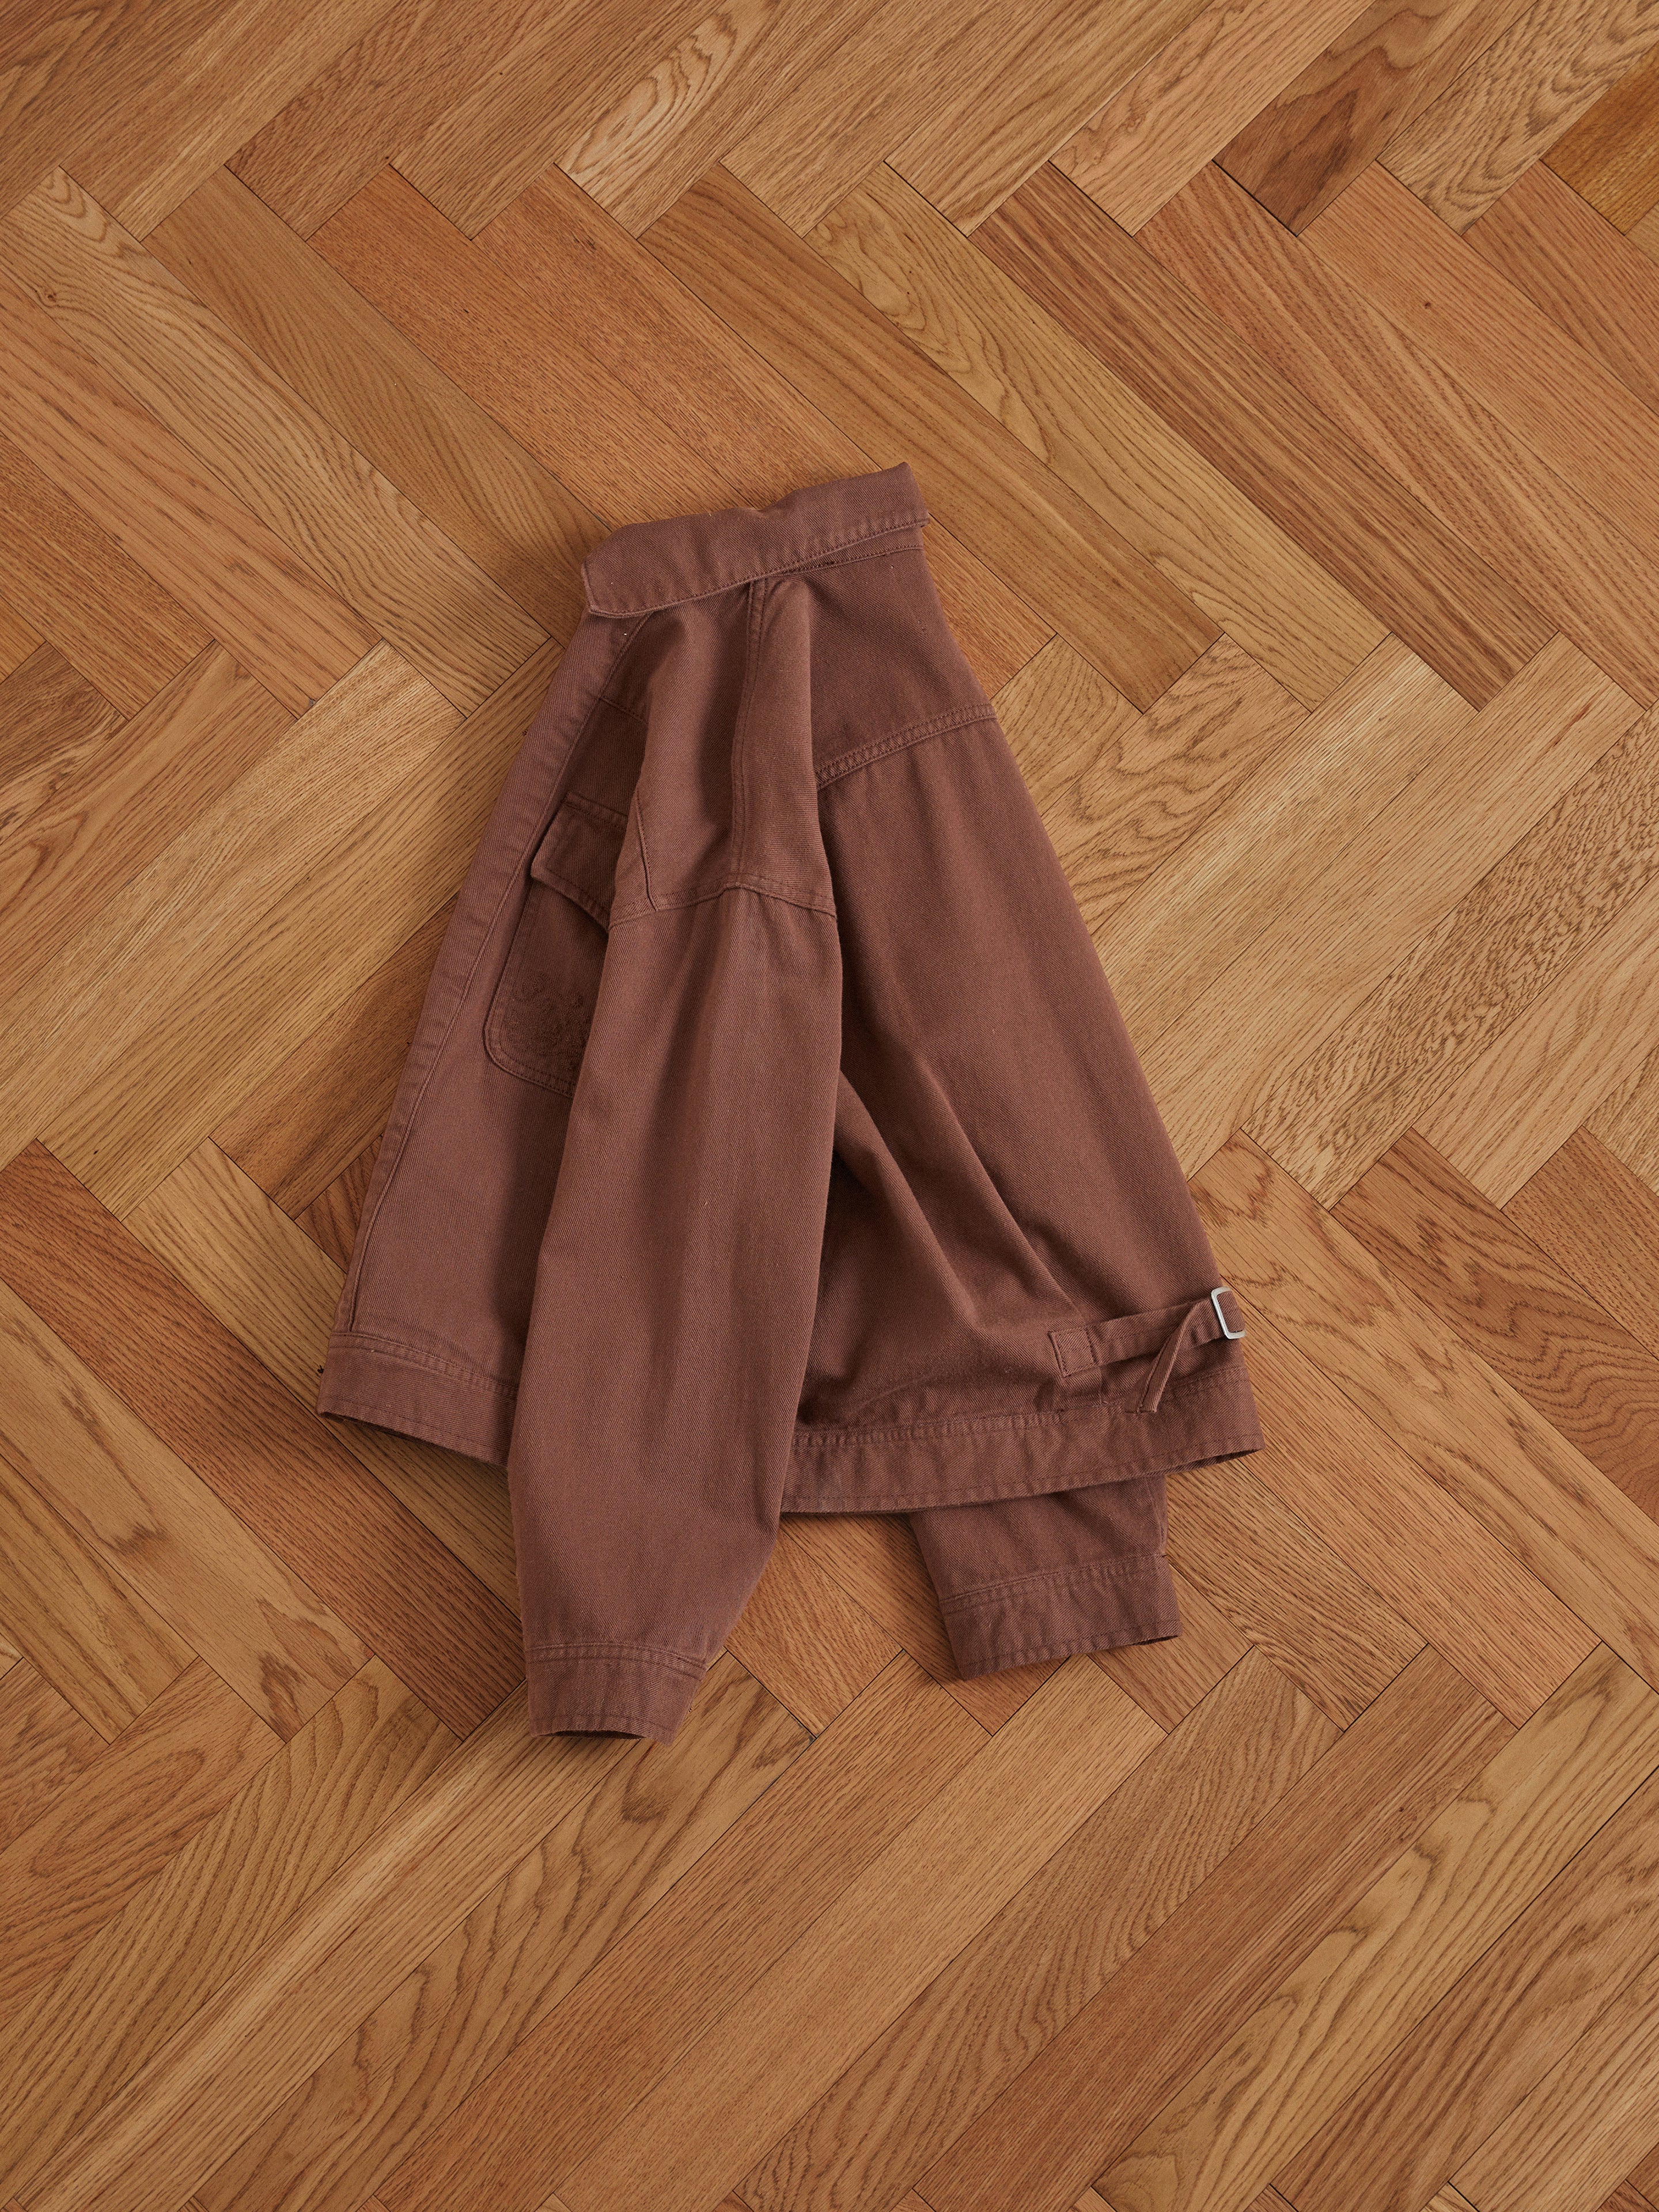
(1215, 1300)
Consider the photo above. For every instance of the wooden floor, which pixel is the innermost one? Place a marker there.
(1284, 381)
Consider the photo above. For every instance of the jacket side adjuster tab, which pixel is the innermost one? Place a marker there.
(1166, 1331)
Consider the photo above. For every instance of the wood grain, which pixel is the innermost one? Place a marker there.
(1279, 377)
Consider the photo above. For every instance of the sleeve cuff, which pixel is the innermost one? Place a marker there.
(624, 1689)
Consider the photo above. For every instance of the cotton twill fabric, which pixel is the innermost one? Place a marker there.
(770, 1139)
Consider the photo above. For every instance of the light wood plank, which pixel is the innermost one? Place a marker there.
(1400, 562)
(1560, 1516)
(107, 1653)
(1475, 143)
(1465, 2067)
(1109, 602)
(274, 1463)
(1196, 93)
(1096, 433)
(1323, 789)
(1321, 129)
(517, 1954)
(1410, 1539)
(500, 504)
(1525, 1316)
(1481, 967)
(352, 526)
(1506, 352)
(1095, 2083)
(92, 831)
(871, 1773)
(160, 1527)
(1133, 1864)
(1272, 1005)
(95, 444)
(213, 1905)
(1477, 1864)
(1394, 399)
(167, 1775)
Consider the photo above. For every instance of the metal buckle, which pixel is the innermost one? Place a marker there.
(1215, 1300)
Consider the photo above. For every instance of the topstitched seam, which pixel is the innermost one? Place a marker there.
(759, 575)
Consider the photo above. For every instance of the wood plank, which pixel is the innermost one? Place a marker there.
(44, 1745)
(1133, 1865)
(270, 1460)
(1411, 1541)
(965, 1856)
(1602, 1224)
(1255, 428)
(1197, 91)
(1602, 291)
(1425, 1920)
(1282, 1587)
(1466, 2065)
(1108, 601)
(158, 1017)
(1581, 2129)
(331, 1221)
(1627, 1123)
(507, 1966)
(1486, 133)
(1476, 971)
(355, 528)
(797, 1849)
(1538, 1079)
(76, 584)
(266, 1634)
(87, 435)
(94, 831)
(257, 1274)
(52, 724)
(719, 394)
(212, 1906)
(815, 143)
(1323, 128)
(1392, 396)
(569, 65)
(637, 155)
(1171, 1677)
(505, 510)
(529, 367)
(107, 1652)
(1560, 1516)
(408, 67)
(1609, 157)
(1097, 434)
(1328, 783)
(88, 65)
(1120, 794)
(312, 1116)
(17, 640)
(1017, 92)
(804, 1638)
(874, 1560)
(1551, 394)
(190, 109)
(1272, 1005)
(346, 1947)
(1524, 1315)
(167, 1775)
(1092, 2086)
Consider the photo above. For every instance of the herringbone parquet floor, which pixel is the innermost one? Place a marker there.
(1283, 379)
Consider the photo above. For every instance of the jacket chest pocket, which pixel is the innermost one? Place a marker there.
(542, 1005)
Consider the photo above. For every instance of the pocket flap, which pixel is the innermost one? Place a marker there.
(578, 856)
